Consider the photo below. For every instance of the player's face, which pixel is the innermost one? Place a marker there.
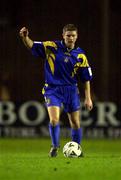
(70, 38)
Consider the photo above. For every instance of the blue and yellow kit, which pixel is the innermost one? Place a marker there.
(62, 68)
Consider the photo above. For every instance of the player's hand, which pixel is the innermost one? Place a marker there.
(24, 32)
(88, 104)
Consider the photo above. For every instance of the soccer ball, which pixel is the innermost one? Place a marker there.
(72, 149)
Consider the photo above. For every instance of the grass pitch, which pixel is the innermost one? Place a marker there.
(22, 159)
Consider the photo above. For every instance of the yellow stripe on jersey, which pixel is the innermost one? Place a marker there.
(50, 58)
(49, 43)
(84, 58)
(84, 63)
(49, 54)
(51, 63)
(43, 89)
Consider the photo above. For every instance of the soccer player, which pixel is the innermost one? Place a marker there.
(64, 63)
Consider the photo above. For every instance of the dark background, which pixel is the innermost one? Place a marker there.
(99, 23)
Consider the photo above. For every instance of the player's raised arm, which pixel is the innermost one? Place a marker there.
(25, 38)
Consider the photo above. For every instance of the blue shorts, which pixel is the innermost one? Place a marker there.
(66, 96)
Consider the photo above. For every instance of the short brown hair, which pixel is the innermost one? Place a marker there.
(70, 27)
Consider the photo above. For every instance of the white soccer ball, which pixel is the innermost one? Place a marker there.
(72, 149)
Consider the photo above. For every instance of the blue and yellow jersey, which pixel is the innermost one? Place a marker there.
(62, 64)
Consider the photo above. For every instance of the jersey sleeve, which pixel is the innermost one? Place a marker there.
(38, 49)
(85, 72)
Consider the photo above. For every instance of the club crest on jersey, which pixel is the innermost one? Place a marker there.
(66, 60)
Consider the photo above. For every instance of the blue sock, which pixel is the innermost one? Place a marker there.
(54, 134)
(76, 135)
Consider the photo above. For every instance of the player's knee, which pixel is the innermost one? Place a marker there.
(54, 122)
(75, 124)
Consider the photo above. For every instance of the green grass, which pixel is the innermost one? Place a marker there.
(27, 159)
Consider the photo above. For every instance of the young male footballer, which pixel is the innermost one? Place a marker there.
(64, 63)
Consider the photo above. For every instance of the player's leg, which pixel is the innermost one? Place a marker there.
(76, 130)
(54, 128)
(73, 110)
(53, 104)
